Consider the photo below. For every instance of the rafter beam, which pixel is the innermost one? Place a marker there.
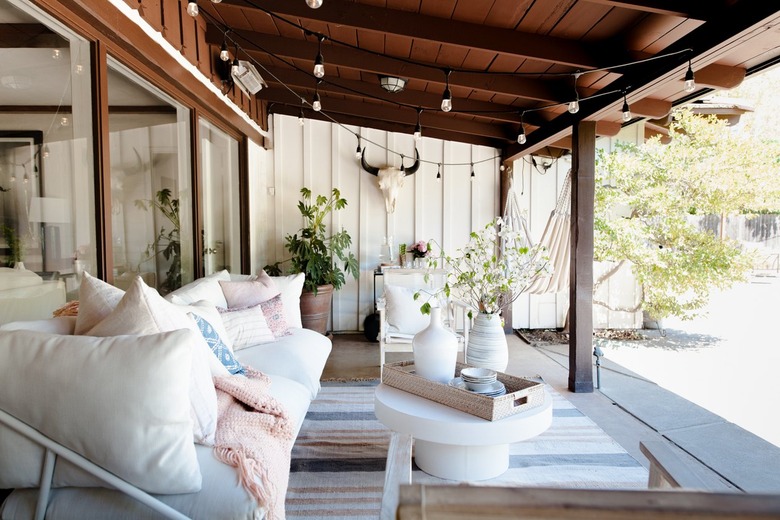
(559, 51)
(650, 107)
(393, 115)
(720, 76)
(700, 10)
(429, 102)
(445, 135)
(259, 44)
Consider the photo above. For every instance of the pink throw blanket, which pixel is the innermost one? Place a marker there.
(255, 436)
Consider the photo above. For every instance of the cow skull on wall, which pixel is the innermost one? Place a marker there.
(390, 178)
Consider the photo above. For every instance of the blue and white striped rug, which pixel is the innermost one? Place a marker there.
(338, 460)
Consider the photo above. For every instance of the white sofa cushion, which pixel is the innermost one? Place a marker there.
(85, 393)
(143, 311)
(14, 278)
(96, 300)
(206, 288)
(299, 356)
(60, 325)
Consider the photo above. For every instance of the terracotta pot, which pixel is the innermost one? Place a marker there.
(315, 310)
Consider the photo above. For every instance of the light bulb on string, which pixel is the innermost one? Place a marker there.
(574, 106)
(438, 174)
(472, 172)
(216, 1)
(319, 62)
(300, 117)
(224, 54)
(358, 151)
(418, 128)
(314, 4)
(690, 83)
(316, 104)
(235, 66)
(45, 151)
(446, 98)
(192, 8)
(626, 110)
(521, 138)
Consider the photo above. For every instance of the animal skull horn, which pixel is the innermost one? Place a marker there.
(390, 178)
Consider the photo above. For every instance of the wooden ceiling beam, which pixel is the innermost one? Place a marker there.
(259, 44)
(699, 10)
(429, 102)
(29, 35)
(473, 36)
(445, 135)
(720, 76)
(391, 114)
(650, 107)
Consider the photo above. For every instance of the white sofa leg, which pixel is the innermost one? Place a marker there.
(44, 485)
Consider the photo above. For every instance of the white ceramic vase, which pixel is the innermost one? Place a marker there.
(487, 343)
(435, 350)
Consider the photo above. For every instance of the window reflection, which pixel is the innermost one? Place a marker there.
(219, 167)
(150, 184)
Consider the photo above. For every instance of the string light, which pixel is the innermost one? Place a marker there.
(45, 151)
(438, 174)
(472, 171)
(358, 151)
(690, 83)
(521, 139)
(446, 98)
(192, 8)
(64, 121)
(316, 104)
(626, 110)
(216, 1)
(300, 117)
(224, 54)
(314, 4)
(574, 106)
(319, 62)
(56, 54)
(418, 128)
(234, 68)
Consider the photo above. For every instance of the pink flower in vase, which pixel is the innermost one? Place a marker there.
(420, 249)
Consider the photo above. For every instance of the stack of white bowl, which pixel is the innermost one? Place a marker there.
(482, 381)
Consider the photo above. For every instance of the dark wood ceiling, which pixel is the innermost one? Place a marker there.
(506, 57)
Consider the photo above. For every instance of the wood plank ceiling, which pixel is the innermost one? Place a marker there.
(504, 60)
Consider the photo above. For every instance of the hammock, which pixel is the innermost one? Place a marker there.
(556, 239)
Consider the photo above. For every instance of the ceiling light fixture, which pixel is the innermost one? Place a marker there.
(690, 83)
(521, 138)
(418, 128)
(392, 84)
(626, 110)
(314, 4)
(574, 106)
(319, 62)
(446, 98)
(192, 8)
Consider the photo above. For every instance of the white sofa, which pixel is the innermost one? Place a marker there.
(25, 295)
(294, 363)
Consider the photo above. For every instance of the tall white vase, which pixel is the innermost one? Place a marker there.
(435, 350)
(487, 343)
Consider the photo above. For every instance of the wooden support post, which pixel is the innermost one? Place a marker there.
(581, 268)
(505, 185)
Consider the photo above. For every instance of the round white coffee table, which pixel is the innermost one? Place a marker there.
(455, 445)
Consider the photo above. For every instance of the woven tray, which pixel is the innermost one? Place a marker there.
(521, 394)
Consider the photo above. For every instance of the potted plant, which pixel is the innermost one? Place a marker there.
(494, 268)
(16, 250)
(167, 243)
(323, 259)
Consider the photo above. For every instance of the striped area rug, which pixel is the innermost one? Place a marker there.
(338, 460)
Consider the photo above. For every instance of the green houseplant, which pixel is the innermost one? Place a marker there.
(323, 259)
(167, 243)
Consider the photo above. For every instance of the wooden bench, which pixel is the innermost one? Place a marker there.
(670, 469)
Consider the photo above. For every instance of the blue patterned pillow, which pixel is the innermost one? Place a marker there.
(218, 346)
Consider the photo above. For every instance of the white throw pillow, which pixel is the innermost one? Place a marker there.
(209, 312)
(291, 288)
(143, 311)
(206, 288)
(96, 300)
(403, 311)
(122, 402)
(246, 327)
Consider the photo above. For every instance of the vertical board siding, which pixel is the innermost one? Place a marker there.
(321, 156)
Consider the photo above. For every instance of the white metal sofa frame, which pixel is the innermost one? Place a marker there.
(54, 449)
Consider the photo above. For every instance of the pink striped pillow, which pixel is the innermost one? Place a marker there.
(246, 327)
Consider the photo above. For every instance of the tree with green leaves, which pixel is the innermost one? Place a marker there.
(646, 193)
